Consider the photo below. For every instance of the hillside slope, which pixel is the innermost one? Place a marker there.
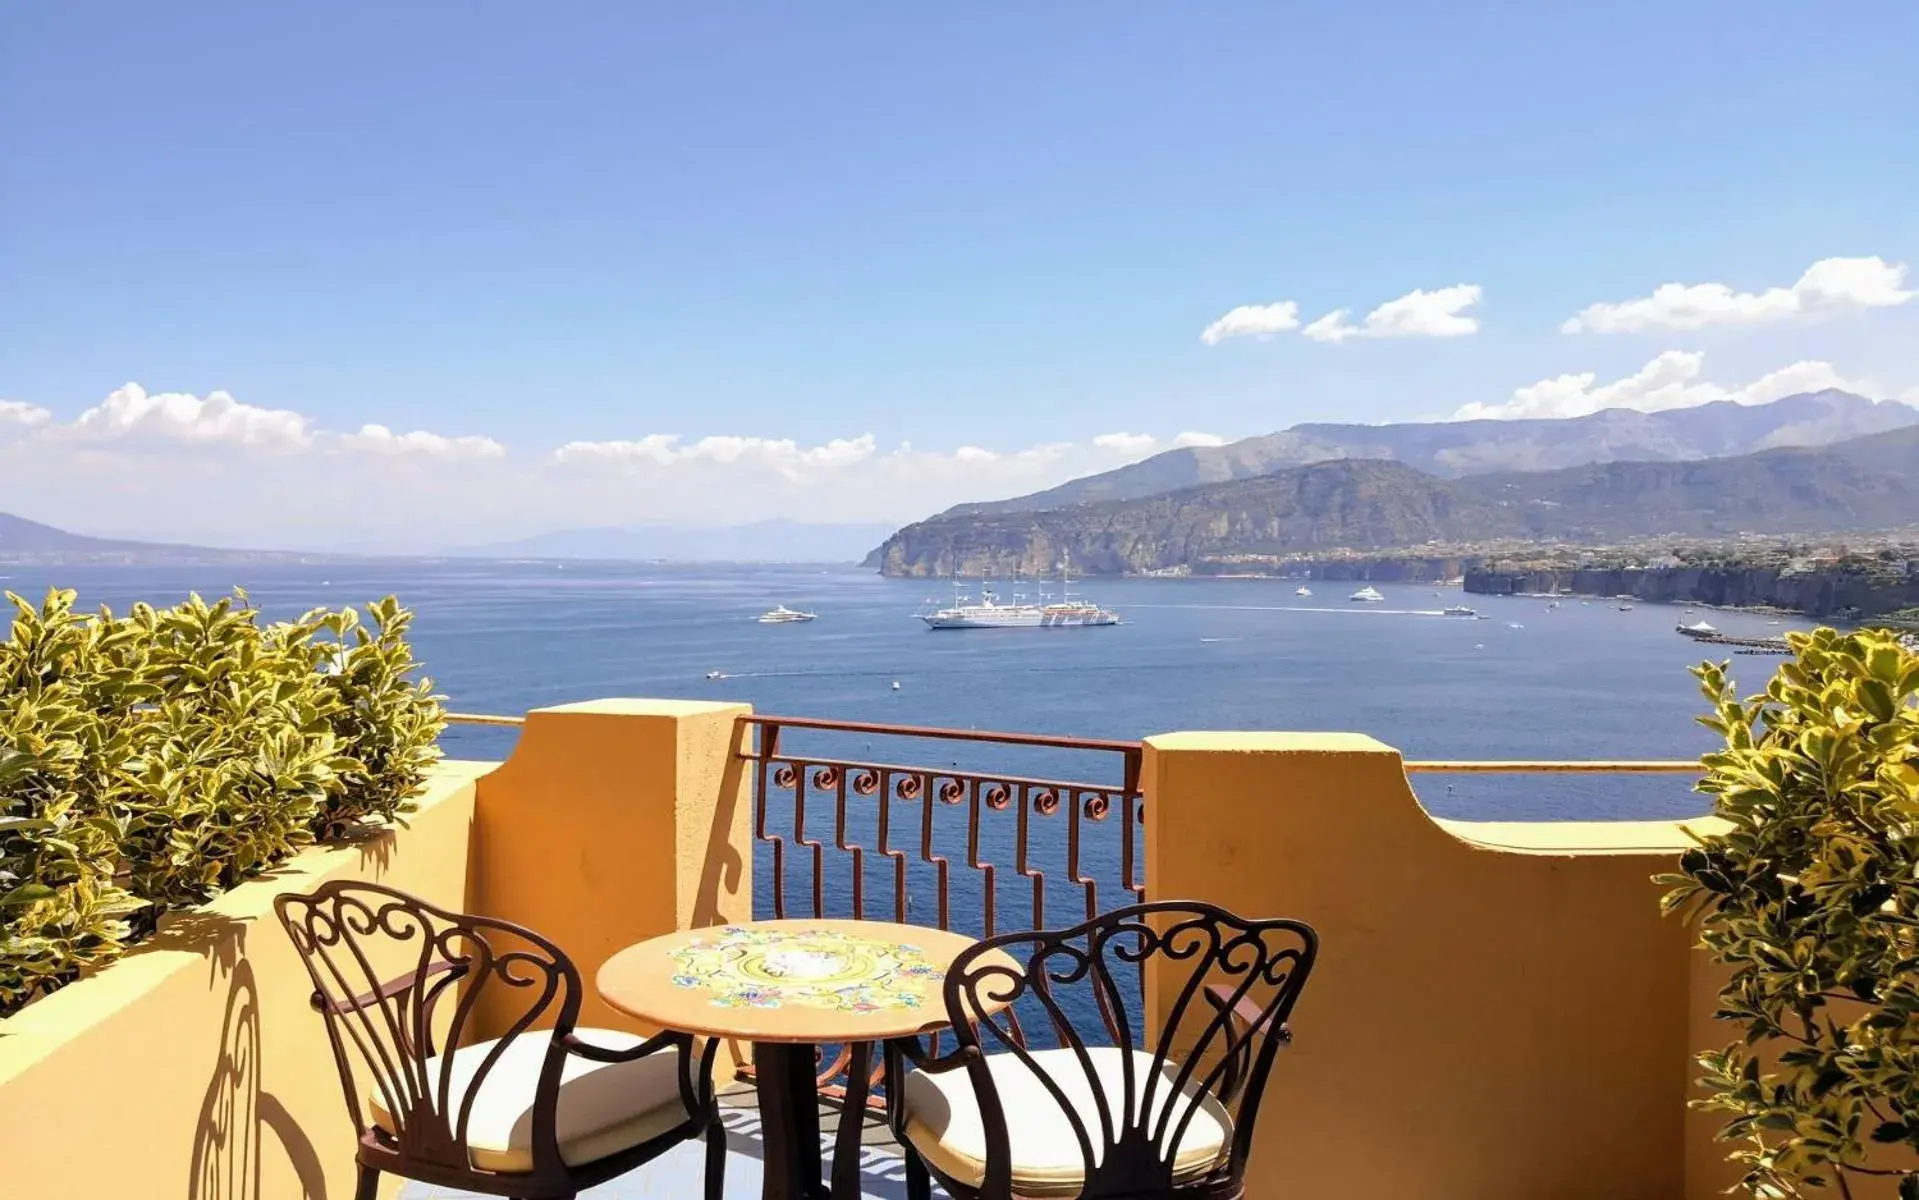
(1456, 448)
(1867, 483)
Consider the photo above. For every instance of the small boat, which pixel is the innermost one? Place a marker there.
(1302, 591)
(782, 615)
(896, 685)
(1514, 625)
(1625, 608)
(1367, 595)
(1552, 604)
(1460, 610)
(1698, 629)
(715, 675)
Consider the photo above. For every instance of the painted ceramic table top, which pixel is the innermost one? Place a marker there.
(788, 981)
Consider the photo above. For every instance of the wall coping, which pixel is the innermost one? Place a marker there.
(1270, 742)
(1660, 838)
(38, 1031)
(628, 706)
(1655, 839)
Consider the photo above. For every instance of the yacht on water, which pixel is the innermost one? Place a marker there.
(1302, 591)
(1459, 610)
(1367, 595)
(782, 615)
(990, 613)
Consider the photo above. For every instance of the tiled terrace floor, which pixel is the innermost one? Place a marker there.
(679, 1174)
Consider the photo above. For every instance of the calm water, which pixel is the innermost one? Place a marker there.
(1582, 681)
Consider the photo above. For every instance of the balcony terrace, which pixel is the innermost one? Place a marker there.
(1499, 1009)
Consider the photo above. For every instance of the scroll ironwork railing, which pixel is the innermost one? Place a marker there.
(807, 804)
(844, 828)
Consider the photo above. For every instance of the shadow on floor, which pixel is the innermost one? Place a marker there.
(678, 1174)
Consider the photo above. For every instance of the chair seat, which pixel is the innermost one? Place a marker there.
(604, 1108)
(943, 1118)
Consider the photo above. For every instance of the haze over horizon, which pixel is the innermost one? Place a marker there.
(364, 278)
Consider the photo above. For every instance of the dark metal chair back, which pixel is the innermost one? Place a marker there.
(382, 962)
(1228, 986)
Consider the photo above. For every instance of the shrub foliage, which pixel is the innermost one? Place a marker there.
(151, 761)
(1810, 896)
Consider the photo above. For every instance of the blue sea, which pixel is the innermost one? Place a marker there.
(1582, 681)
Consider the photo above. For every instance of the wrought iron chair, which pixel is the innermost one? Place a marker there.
(1170, 1116)
(542, 1112)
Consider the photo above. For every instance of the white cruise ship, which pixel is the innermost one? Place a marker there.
(1064, 613)
(782, 615)
(1367, 595)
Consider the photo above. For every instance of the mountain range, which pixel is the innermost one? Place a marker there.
(1371, 503)
(23, 539)
(1450, 449)
(760, 541)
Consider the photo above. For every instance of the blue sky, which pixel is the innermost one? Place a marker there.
(953, 226)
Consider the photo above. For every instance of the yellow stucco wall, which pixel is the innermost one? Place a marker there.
(1499, 1011)
(615, 821)
(193, 1067)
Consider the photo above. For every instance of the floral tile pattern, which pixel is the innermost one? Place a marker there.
(814, 968)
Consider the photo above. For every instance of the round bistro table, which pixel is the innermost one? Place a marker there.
(787, 987)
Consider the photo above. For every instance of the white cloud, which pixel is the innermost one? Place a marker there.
(1189, 438)
(1253, 320)
(665, 449)
(1419, 313)
(1672, 380)
(138, 471)
(1332, 327)
(130, 412)
(1126, 443)
(20, 417)
(1830, 285)
(378, 439)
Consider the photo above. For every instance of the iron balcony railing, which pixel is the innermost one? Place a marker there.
(890, 814)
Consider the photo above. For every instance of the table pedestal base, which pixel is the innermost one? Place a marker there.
(784, 1076)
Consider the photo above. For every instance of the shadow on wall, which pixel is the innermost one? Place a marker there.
(723, 864)
(240, 1122)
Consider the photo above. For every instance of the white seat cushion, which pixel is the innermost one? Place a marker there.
(943, 1118)
(604, 1107)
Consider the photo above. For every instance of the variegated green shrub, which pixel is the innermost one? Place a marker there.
(390, 719)
(238, 757)
(60, 907)
(1811, 897)
(151, 761)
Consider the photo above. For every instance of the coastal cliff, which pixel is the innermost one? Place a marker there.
(1835, 592)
